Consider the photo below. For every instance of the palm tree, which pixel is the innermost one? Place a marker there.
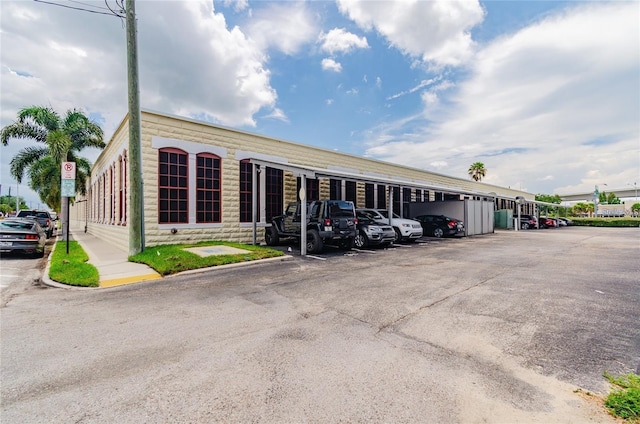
(63, 139)
(477, 171)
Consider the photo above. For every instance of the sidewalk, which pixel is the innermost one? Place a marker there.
(113, 267)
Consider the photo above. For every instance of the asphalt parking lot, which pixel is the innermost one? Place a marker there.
(497, 328)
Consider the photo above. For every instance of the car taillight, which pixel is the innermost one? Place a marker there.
(451, 224)
(48, 223)
(31, 237)
(327, 221)
(355, 221)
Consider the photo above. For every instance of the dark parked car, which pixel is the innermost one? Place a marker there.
(372, 233)
(440, 225)
(328, 222)
(22, 235)
(43, 217)
(528, 221)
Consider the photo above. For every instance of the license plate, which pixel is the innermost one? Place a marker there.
(5, 243)
(328, 228)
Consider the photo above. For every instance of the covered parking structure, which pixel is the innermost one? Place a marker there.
(535, 204)
(477, 217)
(203, 181)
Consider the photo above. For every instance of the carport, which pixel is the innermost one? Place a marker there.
(304, 172)
(520, 201)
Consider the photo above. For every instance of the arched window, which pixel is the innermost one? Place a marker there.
(208, 188)
(173, 186)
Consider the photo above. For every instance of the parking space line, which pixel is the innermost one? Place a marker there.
(365, 251)
(317, 257)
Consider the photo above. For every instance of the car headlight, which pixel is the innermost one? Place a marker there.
(373, 228)
(406, 225)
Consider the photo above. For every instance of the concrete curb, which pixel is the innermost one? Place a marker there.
(49, 282)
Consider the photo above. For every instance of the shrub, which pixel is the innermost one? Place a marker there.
(607, 222)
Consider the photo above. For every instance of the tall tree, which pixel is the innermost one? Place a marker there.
(547, 198)
(60, 139)
(477, 171)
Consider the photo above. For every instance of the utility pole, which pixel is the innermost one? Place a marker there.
(136, 227)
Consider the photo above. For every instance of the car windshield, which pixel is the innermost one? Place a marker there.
(385, 213)
(17, 225)
(338, 208)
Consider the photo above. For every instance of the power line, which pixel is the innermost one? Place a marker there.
(79, 8)
(88, 5)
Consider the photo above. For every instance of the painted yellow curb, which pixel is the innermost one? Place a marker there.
(129, 280)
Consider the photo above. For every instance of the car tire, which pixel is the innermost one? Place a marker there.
(314, 242)
(524, 226)
(438, 233)
(361, 240)
(398, 235)
(271, 236)
(346, 244)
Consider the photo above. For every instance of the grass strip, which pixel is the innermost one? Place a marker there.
(625, 401)
(72, 268)
(172, 258)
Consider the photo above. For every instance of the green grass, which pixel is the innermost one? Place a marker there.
(625, 401)
(172, 258)
(72, 268)
(607, 222)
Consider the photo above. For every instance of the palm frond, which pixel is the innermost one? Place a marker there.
(23, 130)
(43, 116)
(82, 131)
(24, 159)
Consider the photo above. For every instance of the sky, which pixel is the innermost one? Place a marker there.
(545, 93)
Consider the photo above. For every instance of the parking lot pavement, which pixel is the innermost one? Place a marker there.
(498, 328)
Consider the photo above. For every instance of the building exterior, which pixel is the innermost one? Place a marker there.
(199, 180)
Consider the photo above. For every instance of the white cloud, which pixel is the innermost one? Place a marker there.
(338, 40)
(557, 98)
(421, 85)
(190, 64)
(285, 26)
(331, 65)
(436, 31)
(278, 114)
(238, 5)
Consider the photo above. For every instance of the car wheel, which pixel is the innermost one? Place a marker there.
(438, 232)
(361, 240)
(525, 226)
(398, 235)
(271, 236)
(314, 242)
(346, 244)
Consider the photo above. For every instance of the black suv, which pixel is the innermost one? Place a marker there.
(43, 218)
(328, 222)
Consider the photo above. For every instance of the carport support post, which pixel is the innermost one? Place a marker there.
(390, 205)
(254, 201)
(303, 215)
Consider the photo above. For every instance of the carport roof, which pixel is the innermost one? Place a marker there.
(315, 172)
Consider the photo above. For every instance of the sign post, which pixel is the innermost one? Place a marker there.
(67, 189)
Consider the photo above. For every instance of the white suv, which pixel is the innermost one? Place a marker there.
(406, 229)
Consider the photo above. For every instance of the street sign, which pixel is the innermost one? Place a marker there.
(68, 188)
(68, 170)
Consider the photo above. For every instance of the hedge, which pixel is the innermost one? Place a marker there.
(607, 222)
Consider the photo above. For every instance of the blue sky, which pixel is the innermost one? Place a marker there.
(544, 93)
